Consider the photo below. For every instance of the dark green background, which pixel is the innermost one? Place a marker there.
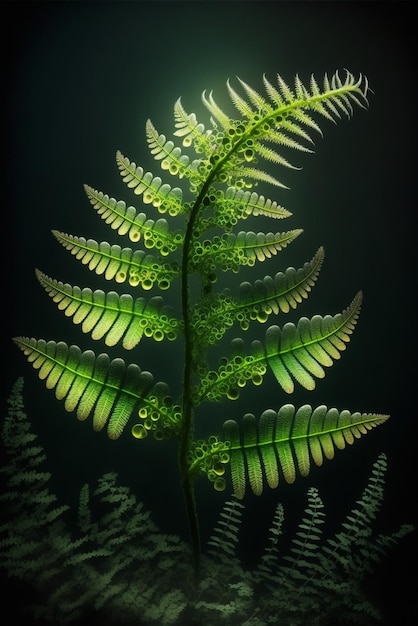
(79, 81)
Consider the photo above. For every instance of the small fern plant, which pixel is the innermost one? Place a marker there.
(217, 170)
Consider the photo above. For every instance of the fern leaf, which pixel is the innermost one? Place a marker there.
(240, 103)
(90, 385)
(241, 204)
(153, 191)
(241, 173)
(190, 129)
(301, 352)
(237, 458)
(187, 124)
(224, 540)
(257, 301)
(120, 264)
(284, 118)
(215, 110)
(355, 547)
(287, 441)
(126, 220)
(271, 552)
(231, 251)
(112, 316)
(170, 155)
(271, 155)
(305, 545)
(279, 293)
(295, 352)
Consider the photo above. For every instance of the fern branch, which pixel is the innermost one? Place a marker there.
(126, 220)
(231, 251)
(162, 196)
(170, 156)
(120, 264)
(112, 316)
(105, 388)
(295, 352)
(287, 440)
(212, 316)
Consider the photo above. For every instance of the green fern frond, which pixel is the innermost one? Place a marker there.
(239, 204)
(282, 119)
(126, 220)
(165, 198)
(191, 130)
(237, 174)
(213, 315)
(288, 440)
(271, 552)
(223, 542)
(356, 528)
(231, 251)
(90, 385)
(121, 264)
(305, 544)
(218, 116)
(299, 352)
(280, 293)
(303, 351)
(240, 103)
(112, 316)
(171, 157)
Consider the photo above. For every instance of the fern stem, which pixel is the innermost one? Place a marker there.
(188, 414)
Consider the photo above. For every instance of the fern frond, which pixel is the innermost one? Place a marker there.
(241, 204)
(126, 220)
(165, 198)
(271, 155)
(223, 542)
(231, 251)
(257, 301)
(355, 529)
(171, 157)
(240, 103)
(355, 548)
(112, 316)
(284, 118)
(236, 204)
(106, 388)
(299, 352)
(217, 113)
(288, 440)
(305, 544)
(120, 264)
(191, 130)
(271, 553)
(187, 125)
(282, 292)
(241, 173)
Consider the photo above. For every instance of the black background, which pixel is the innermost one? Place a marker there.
(79, 81)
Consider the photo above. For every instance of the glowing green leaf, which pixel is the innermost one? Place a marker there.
(112, 316)
(289, 439)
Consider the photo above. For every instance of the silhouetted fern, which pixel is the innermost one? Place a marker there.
(116, 561)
